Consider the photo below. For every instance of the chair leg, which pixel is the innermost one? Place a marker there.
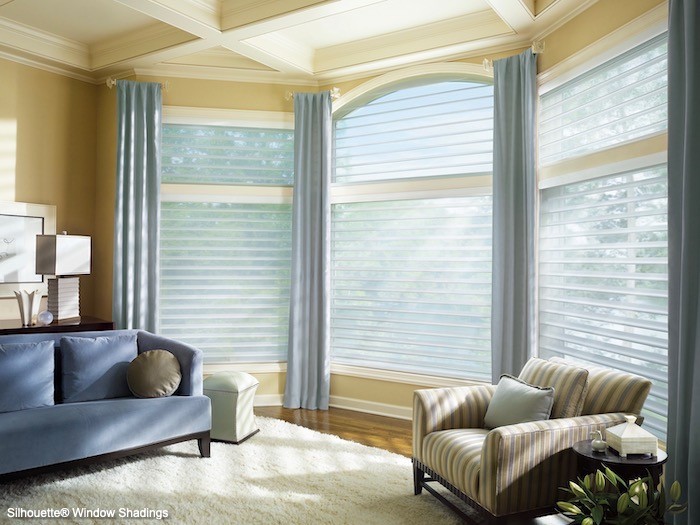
(418, 477)
(204, 446)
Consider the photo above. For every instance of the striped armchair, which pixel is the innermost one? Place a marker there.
(515, 468)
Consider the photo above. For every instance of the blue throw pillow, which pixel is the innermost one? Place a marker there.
(26, 375)
(95, 369)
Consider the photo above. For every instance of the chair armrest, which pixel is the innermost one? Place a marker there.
(447, 408)
(523, 465)
(191, 361)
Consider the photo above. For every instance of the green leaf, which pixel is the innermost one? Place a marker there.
(597, 515)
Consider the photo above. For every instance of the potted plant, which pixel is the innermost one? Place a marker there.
(604, 498)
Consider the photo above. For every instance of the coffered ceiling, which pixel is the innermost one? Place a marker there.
(289, 41)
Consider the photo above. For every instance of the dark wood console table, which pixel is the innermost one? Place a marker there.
(83, 324)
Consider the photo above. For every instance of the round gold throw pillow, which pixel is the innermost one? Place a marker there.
(155, 373)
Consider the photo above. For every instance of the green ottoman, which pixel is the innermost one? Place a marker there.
(232, 395)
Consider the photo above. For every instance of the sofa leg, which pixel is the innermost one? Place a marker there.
(418, 477)
(204, 446)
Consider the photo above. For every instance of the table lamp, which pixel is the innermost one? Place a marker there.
(65, 257)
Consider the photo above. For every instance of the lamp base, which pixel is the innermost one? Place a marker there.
(64, 298)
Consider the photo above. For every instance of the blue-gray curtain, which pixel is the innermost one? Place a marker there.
(514, 193)
(684, 253)
(137, 212)
(308, 362)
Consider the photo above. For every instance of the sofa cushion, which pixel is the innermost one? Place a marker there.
(456, 455)
(516, 401)
(26, 375)
(155, 373)
(612, 391)
(95, 368)
(569, 382)
(66, 432)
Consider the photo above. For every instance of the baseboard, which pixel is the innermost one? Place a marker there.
(348, 403)
(268, 400)
(372, 407)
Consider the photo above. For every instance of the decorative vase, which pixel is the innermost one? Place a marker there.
(28, 305)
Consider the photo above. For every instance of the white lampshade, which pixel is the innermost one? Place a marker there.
(63, 254)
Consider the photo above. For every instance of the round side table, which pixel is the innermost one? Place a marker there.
(628, 468)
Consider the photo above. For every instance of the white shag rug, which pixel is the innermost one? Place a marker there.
(285, 474)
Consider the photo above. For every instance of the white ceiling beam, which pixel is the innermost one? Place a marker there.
(256, 41)
(515, 13)
(195, 18)
(149, 41)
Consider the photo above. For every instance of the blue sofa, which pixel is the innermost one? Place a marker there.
(46, 422)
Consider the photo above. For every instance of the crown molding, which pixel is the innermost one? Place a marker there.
(13, 56)
(225, 74)
(553, 19)
(23, 38)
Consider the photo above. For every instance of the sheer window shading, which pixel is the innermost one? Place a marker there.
(621, 100)
(412, 286)
(433, 130)
(225, 266)
(603, 278)
(227, 155)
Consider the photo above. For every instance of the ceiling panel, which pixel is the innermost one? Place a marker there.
(378, 19)
(86, 21)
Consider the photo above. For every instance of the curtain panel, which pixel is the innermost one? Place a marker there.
(137, 210)
(514, 193)
(308, 363)
(684, 253)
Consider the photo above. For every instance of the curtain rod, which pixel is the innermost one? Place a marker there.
(537, 48)
(111, 82)
(335, 94)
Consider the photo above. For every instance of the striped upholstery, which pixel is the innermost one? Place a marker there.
(569, 384)
(613, 391)
(448, 408)
(456, 455)
(523, 465)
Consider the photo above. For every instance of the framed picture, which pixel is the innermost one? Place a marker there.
(20, 223)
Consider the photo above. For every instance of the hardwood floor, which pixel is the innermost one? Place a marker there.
(376, 431)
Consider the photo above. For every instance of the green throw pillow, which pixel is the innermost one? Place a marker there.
(516, 401)
(155, 373)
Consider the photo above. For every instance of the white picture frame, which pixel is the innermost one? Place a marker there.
(20, 222)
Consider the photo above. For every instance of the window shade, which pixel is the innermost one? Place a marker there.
(411, 285)
(225, 256)
(618, 101)
(439, 129)
(225, 276)
(227, 155)
(603, 278)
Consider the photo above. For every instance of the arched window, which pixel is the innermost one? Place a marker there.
(411, 229)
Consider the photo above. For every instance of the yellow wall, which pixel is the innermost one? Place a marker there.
(64, 146)
(47, 153)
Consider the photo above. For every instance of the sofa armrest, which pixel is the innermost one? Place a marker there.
(191, 361)
(524, 465)
(447, 408)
